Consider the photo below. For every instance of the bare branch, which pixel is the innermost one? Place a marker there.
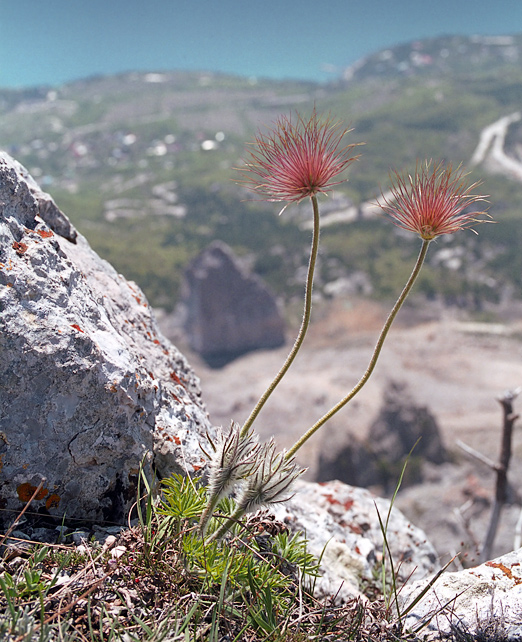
(477, 455)
(501, 488)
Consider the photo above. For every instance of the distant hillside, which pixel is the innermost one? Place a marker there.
(143, 165)
(447, 55)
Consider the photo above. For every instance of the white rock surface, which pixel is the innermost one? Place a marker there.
(88, 384)
(343, 521)
(488, 596)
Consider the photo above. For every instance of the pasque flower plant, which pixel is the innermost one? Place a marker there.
(299, 159)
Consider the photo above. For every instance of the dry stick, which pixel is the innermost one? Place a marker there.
(501, 489)
(477, 455)
(517, 542)
(66, 608)
(304, 324)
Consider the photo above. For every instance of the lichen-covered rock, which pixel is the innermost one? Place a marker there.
(342, 526)
(476, 601)
(88, 385)
(229, 311)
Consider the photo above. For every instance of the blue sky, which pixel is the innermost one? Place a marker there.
(53, 41)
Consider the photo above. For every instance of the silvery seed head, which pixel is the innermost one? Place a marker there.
(233, 459)
(270, 482)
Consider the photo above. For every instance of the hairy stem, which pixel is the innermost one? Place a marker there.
(375, 355)
(207, 513)
(233, 519)
(304, 324)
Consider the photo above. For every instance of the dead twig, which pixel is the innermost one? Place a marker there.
(501, 489)
(477, 455)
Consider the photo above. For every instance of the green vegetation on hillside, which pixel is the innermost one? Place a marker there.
(143, 166)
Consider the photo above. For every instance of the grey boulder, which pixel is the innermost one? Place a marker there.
(89, 387)
(229, 311)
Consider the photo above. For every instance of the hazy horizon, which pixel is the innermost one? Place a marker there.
(58, 41)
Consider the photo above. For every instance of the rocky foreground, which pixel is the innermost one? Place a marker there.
(91, 388)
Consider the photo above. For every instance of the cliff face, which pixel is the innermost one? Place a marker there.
(89, 386)
(229, 311)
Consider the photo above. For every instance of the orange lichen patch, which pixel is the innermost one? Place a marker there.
(45, 234)
(19, 248)
(8, 267)
(52, 501)
(507, 571)
(156, 342)
(176, 379)
(76, 327)
(334, 501)
(26, 491)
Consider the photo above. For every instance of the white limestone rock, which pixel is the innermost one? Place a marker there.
(88, 384)
(487, 598)
(341, 523)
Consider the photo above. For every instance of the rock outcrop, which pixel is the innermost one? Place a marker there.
(89, 388)
(400, 426)
(481, 603)
(229, 311)
(341, 523)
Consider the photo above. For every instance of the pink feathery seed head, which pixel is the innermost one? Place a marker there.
(297, 158)
(436, 200)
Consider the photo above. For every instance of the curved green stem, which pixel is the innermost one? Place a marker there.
(375, 355)
(304, 324)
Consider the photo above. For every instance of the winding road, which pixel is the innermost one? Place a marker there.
(491, 148)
